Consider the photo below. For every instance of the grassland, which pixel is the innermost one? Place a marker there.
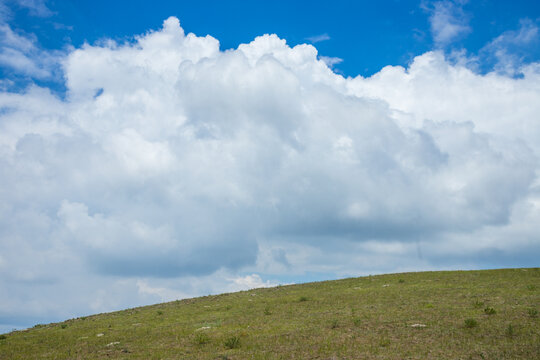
(490, 314)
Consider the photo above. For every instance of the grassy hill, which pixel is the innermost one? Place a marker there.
(491, 314)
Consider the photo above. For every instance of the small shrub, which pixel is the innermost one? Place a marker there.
(201, 338)
(303, 298)
(489, 311)
(510, 331)
(232, 343)
(357, 321)
(38, 326)
(3, 337)
(63, 326)
(471, 323)
(533, 313)
(384, 342)
(267, 311)
(401, 281)
(478, 304)
(159, 312)
(531, 287)
(334, 324)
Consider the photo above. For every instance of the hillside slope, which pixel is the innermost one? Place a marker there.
(489, 314)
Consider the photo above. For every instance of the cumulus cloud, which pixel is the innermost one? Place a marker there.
(172, 168)
(447, 20)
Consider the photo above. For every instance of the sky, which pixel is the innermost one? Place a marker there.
(165, 150)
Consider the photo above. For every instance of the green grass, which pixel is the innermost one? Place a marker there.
(424, 316)
(471, 323)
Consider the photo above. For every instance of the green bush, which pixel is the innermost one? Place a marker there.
(478, 304)
(3, 337)
(471, 323)
(201, 338)
(510, 331)
(303, 298)
(63, 326)
(232, 343)
(489, 311)
(384, 342)
(533, 313)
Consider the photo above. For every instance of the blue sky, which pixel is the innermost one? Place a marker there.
(155, 151)
(367, 35)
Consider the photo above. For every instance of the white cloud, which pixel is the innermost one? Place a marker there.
(20, 52)
(35, 7)
(164, 294)
(248, 282)
(4, 12)
(505, 52)
(318, 38)
(139, 156)
(448, 21)
(16, 41)
(175, 169)
(331, 61)
(434, 89)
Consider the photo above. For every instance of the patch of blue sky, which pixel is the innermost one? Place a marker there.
(367, 35)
